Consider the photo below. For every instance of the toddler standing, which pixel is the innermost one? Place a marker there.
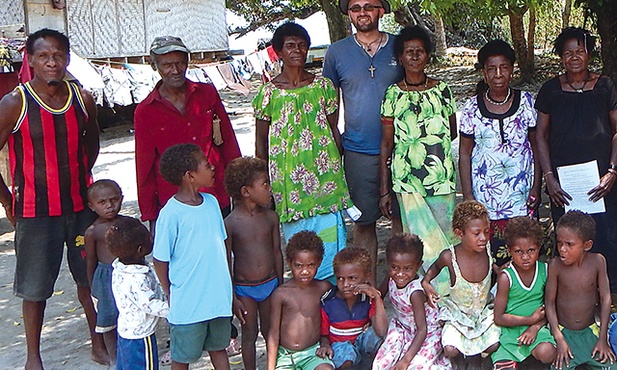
(414, 334)
(105, 199)
(468, 318)
(138, 295)
(519, 303)
(254, 238)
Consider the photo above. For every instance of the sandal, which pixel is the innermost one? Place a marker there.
(165, 360)
(234, 347)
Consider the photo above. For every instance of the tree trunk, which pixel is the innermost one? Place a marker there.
(531, 39)
(565, 16)
(440, 37)
(607, 28)
(517, 30)
(338, 24)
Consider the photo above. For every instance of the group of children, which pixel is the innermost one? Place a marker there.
(209, 268)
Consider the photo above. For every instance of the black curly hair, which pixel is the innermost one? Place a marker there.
(413, 33)
(177, 160)
(101, 184)
(580, 34)
(304, 241)
(45, 33)
(289, 29)
(403, 243)
(353, 255)
(523, 228)
(125, 235)
(241, 172)
(582, 224)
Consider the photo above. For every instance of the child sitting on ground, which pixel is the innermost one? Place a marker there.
(254, 238)
(191, 260)
(577, 284)
(294, 335)
(468, 318)
(519, 303)
(353, 317)
(138, 294)
(414, 334)
(105, 199)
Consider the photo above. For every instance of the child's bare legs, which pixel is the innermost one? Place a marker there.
(324, 367)
(544, 352)
(450, 351)
(111, 338)
(179, 365)
(219, 359)
(249, 332)
(99, 351)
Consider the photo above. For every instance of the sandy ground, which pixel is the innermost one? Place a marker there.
(65, 340)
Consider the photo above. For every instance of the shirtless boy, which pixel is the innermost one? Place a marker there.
(296, 311)
(104, 198)
(253, 236)
(577, 284)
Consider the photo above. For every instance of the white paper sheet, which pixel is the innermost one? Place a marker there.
(577, 180)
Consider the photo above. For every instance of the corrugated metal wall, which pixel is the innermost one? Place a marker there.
(112, 28)
(11, 12)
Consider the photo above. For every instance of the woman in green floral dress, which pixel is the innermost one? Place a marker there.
(419, 123)
(297, 134)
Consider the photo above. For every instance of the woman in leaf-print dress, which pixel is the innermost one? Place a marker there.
(498, 137)
(419, 123)
(296, 133)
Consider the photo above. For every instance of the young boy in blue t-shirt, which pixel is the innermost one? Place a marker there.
(191, 260)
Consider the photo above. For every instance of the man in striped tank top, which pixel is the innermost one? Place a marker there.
(52, 132)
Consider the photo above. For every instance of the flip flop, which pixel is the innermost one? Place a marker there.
(234, 347)
(165, 360)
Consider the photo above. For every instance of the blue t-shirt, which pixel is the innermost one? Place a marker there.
(347, 65)
(192, 240)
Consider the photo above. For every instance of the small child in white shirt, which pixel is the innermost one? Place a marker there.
(138, 294)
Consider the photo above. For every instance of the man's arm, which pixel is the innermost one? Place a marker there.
(91, 134)
(230, 149)
(10, 107)
(276, 247)
(145, 158)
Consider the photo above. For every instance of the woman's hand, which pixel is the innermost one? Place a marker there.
(558, 196)
(606, 184)
(534, 198)
(385, 205)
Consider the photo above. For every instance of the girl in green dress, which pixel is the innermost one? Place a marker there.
(419, 123)
(296, 133)
(519, 303)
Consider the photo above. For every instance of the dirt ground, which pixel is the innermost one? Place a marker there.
(65, 341)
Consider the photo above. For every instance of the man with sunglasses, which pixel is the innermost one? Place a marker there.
(179, 111)
(362, 66)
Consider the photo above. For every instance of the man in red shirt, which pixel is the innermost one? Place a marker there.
(179, 111)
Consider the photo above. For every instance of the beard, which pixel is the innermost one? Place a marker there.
(53, 83)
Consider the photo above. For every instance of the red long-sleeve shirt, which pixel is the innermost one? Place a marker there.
(159, 125)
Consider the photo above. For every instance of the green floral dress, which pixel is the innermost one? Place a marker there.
(422, 157)
(305, 165)
(423, 174)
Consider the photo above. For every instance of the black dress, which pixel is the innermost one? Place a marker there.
(580, 132)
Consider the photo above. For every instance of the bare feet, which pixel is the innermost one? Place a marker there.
(100, 355)
(34, 363)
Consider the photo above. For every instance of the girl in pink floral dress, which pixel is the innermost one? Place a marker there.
(414, 335)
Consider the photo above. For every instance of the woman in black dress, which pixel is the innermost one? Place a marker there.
(577, 123)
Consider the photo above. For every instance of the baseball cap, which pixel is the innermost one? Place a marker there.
(167, 44)
(344, 5)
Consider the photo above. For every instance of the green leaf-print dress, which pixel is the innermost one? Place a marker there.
(423, 174)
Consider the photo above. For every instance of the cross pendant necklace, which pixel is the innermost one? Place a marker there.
(372, 70)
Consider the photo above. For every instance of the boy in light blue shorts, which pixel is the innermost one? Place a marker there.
(191, 260)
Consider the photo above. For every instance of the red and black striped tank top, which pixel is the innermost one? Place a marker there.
(47, 157)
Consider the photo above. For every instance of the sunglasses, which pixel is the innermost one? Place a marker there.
(367, 8)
